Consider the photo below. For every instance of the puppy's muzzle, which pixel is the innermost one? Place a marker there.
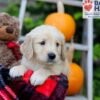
(51, 56)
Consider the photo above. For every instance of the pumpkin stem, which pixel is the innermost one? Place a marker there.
(60, 7)
(70, 53)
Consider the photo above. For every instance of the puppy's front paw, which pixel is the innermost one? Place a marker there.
(17, 71)
(37, 79)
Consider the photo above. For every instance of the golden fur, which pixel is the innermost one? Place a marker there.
(35, 54)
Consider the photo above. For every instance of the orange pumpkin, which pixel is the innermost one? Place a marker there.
(64, 22)
(75, 79)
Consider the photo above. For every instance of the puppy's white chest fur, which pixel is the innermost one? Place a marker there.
(32, 64)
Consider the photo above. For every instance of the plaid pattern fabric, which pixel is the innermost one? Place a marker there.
(20, 88)
(6, 93)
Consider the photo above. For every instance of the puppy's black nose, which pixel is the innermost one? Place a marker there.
(51, 56)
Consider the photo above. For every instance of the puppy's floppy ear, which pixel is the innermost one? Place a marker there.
(26, 48)
(63, 51)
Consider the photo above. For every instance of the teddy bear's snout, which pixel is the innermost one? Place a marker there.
(9, 30)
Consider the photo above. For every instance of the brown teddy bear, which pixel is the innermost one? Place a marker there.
(9, 33)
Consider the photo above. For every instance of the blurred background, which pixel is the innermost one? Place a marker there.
(37, 11)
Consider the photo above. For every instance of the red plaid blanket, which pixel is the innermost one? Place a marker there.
(20, 88)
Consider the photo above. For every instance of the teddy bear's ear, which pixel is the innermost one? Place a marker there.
(27, 47)
(2, 18)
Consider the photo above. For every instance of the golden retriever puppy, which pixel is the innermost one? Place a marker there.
(44, 52)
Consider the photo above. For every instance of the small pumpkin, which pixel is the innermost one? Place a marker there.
(63, 21)
(75, 79)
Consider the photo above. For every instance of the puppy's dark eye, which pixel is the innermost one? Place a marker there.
(57, 44)
(42, 43)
